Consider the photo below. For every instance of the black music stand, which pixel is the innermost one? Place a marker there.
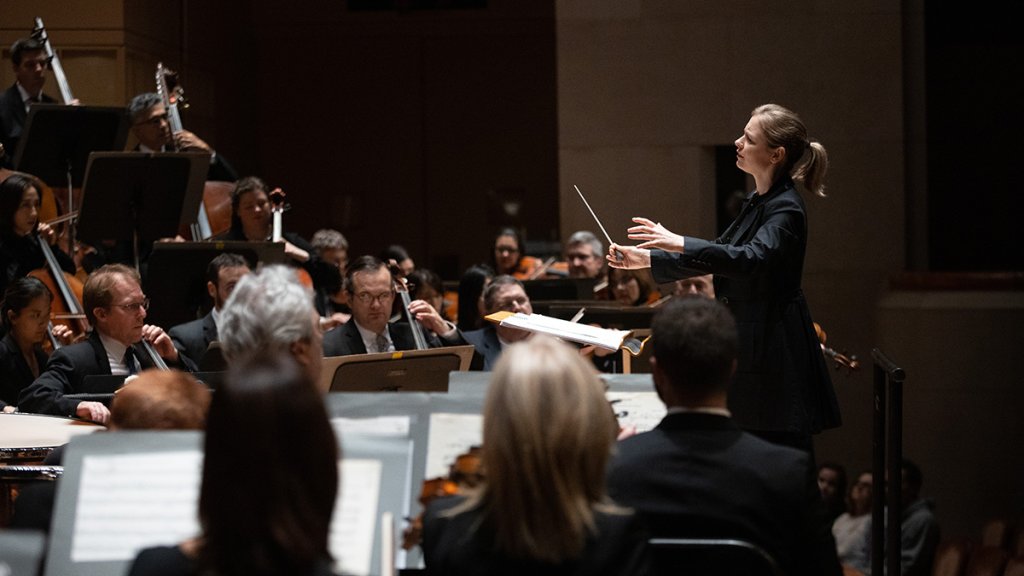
(139, 197)
(402, 371)
(560, 288)
(176, 276)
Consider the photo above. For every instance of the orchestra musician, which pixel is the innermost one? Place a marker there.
(632, 287)
(21, 231)
(548, 433)
(26, 314)
(268, 313)
(782, 390)
(116, 308)
(509, 257)
(151, 128)
(372, 294)
(504, 293)
(583, 254)
(331, 297)
(222, 274)
(28, 58)
(703, 285)
(252, 221)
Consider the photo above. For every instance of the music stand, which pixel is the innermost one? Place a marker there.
(404, 371)
(176, 276)
(57, 140)
(560, 288)
(606, 316)
(140, 197)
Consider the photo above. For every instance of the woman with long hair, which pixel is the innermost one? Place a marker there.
(26, 314)
(542, 508)
(270, 477)
(21, 231)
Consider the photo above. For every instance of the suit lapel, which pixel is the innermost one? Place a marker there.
(355, 341)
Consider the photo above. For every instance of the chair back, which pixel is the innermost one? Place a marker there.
(711, 557)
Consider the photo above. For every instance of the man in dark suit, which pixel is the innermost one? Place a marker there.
(372, 295)
(151, 128)
(116, 307)
(223, 272)
(697, 474)
(504, 293)
(30, 63)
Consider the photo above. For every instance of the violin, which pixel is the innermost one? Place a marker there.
(402, 288)
(215, 209)
(841, 361)
(464, 474)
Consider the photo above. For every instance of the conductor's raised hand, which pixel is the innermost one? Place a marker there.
(654, 235)
(628, 257)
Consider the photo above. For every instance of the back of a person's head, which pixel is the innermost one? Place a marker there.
(695, 343)
(548, 432)
(267, 312)
(160, 400)
(270, 472)
(471, 287)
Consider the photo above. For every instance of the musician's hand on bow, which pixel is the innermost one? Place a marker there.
(189, 142)
(63, 334)
(654, 235)
(94, 411)
(161, 342)
(632, 257)
(294, 252)
(426, 315)
(46, 232)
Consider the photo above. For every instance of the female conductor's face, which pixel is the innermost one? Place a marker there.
(753, 155)
(27, 215)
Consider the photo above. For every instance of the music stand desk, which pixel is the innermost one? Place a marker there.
(400, 371)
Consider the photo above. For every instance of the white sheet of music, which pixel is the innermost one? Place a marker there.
(355, 516)
(128, 502)
(395, 426)
(641, 409)
(451, 435)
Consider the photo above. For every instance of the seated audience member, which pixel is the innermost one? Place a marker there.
(849, 528)
(703, 285)
(222, 274)
(153, 131)
(697, 474)
(270, 312)
(270, 477)
(400, 256)
(331, 297)
(919, 531)
(504, 293)
(632, 287)
(542, 508)
(372, 293)
(155, 400)
(26, 314)
(116, 308)
(427, 286)
(832, 486)
(471, 289)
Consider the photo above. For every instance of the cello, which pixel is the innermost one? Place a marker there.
(215, 209)
(66, 307)
(402, 288)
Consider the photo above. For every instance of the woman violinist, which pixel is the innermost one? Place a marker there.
(26, 315)
(782, 390)
(21, 231)
(509, 258)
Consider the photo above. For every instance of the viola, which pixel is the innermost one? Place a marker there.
(465, 473)
(841, 360)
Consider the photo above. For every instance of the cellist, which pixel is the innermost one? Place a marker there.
(21, 231)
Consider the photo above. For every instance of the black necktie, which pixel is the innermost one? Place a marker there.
(129, 361)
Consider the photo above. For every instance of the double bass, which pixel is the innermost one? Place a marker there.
(215, 209)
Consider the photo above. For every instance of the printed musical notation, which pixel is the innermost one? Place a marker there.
(451, 435)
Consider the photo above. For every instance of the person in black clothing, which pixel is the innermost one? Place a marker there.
(782, 390)
(26, 314)
(266, 501)
(21, 231)
(28, 58)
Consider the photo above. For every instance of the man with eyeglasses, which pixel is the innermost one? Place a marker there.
(504, 293)
(372, 296)
(30, 63)
(153, 131)
(116, 308)
(584, 255)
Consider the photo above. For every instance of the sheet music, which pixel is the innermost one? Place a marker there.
(131, 501)
(451, 435)
(582, 333)
(392, 426)
(355, 516)
(641, 409)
